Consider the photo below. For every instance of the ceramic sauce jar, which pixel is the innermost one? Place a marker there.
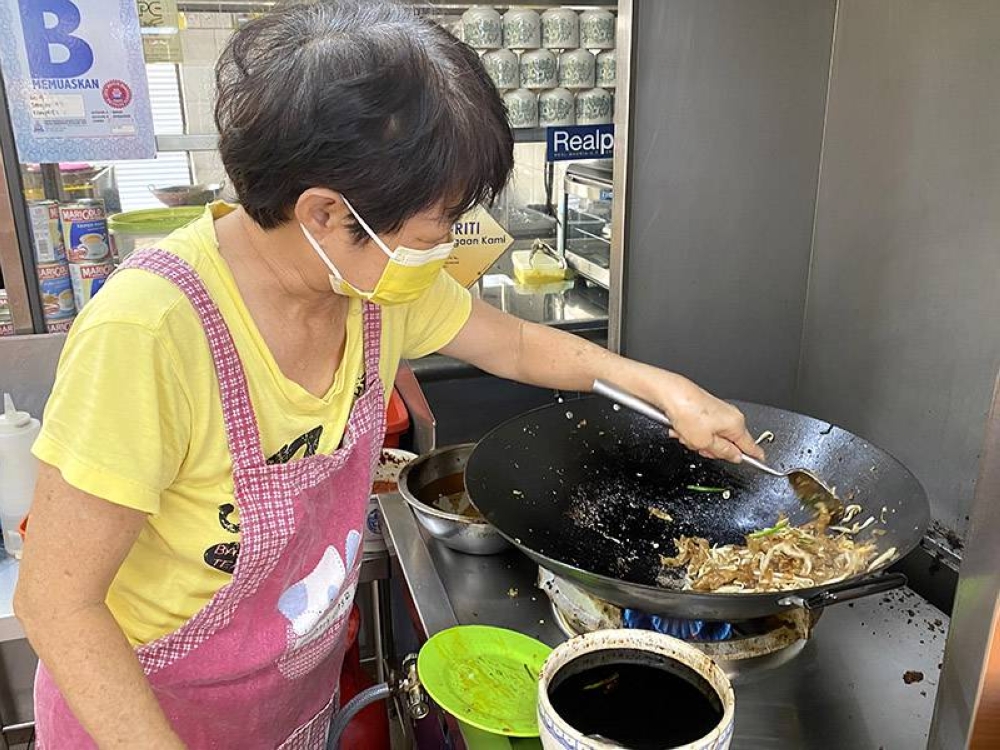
(556, 108)
(481, 27)
(606, 648)
(503, 68)
(594, 107)
(607, 70)
(522, 29)
(577, 69)
(522, 108)
(560, 29)
(539, 70)
(597, 29)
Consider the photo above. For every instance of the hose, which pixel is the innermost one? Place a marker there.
(351, 709)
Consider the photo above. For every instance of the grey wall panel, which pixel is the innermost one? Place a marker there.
(902, 333)
(28, 369)
(728, 113)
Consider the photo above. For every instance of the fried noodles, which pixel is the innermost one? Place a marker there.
(781, 558)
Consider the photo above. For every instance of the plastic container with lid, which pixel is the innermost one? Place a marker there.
(18, 471)
(537, 268)
(135, 229)
(76, 181)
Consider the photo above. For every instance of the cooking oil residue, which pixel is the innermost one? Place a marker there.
(448, 493)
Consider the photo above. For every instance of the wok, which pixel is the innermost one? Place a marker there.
(571, 485)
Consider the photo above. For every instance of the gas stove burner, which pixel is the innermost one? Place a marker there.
(678, 627)
(740, 648)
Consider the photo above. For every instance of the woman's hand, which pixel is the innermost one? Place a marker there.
(702, 422)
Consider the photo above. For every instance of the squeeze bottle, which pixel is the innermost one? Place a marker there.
(18, 471)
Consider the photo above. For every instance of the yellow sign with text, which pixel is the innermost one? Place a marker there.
(479, 243)
(159, 23)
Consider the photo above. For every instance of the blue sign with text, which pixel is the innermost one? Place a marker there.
(76, 80)
(580, 142)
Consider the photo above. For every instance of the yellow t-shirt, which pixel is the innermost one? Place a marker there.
(135, 418)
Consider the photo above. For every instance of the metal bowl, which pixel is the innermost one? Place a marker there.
(460, 533)
(187, 195)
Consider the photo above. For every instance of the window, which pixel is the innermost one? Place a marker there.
(174, 168)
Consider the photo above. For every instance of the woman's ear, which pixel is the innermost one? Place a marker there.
(322, 212)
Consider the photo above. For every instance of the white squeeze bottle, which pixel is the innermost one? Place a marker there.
(18, 471)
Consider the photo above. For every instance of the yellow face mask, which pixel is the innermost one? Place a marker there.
(408, 274)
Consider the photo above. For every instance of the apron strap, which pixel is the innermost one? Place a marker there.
(242, 433)
(372, 344)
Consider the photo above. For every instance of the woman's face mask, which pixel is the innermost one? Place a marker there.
(408, 274)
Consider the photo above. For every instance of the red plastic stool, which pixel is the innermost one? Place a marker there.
(370, 728)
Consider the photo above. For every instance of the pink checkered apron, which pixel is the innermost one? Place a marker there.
(259, 665)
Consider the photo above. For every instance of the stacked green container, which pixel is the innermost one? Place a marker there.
(136, 229)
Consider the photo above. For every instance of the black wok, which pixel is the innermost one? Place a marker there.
(571, 486)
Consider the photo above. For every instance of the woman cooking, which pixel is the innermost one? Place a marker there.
(208, 448)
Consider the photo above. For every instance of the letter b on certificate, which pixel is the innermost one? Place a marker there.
(53, 51)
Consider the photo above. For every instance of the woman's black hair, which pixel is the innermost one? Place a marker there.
(365, 98)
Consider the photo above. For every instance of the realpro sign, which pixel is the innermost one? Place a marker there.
(580, 142)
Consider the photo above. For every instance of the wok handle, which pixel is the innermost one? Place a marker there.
(630, 401)
(845, 592)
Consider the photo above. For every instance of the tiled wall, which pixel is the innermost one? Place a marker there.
(202, 42)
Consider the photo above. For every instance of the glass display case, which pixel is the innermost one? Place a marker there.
(585, 215)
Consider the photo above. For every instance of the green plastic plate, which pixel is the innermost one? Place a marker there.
(486, 677)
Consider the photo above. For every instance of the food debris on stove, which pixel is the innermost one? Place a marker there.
(911, 676)
(512, 592)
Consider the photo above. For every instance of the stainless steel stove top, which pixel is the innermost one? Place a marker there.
(753, 646)
(845, 688)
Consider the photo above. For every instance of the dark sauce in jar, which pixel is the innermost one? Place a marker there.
(638, 699)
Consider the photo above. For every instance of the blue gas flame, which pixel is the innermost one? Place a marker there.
(678, 627)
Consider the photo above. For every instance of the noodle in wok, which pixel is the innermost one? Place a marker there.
(781, 558)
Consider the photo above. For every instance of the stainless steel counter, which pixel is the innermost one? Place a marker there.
(569, 306)
(844, 690)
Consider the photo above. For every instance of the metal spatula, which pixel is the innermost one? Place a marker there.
(809, 488)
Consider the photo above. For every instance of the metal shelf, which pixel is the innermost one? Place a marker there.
(576, 228)
(592, 217)
(210, 141)
(529, 135)
(193, 142)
